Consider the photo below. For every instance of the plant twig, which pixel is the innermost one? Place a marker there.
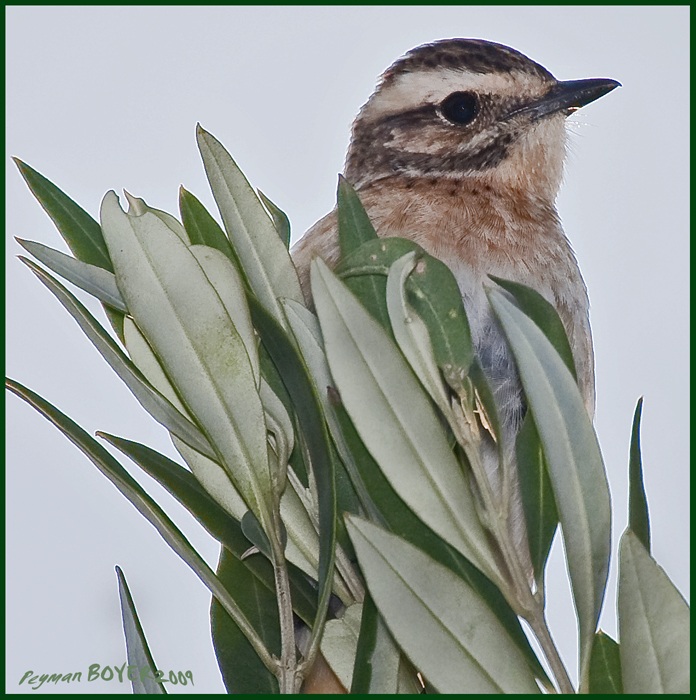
(349, 575)
(541, 631)
(346, 577)
(520, 594)
(288, 675)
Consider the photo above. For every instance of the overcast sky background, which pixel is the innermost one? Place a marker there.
(108, 97)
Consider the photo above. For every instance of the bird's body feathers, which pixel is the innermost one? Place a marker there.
(461, 150)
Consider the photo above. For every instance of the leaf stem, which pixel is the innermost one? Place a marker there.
(349, 575)
(517, 590)
(287, 670)
(346, 572)
(541, 630)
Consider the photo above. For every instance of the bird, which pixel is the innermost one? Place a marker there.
(461, 149)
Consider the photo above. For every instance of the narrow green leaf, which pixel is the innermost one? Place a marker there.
(339, 642)
(605, 666)
(638, 515)
(303, 547)
(201, 227)
(184, 320)
(305, 328)
(433, 293)
(116, 319)
(225, 529)
(377, 657)
(209, 473)
(447, 630)
(79, 230)
(574, 463)
(365, 666)
(375, 257)
(364, 271)
(186, 489)
(396, 420)
(152, 401)
(125, 483)
(354, 229)
(436, 298)
(293, 371)
(346, 501)
(351, 495)
(395, 515)
(654, 624)
(298, 536)
(229, 285)
(370, 290)
(411, 334)
(303, 541)
(94, 280)
(254, 533)
(544, 315)
(270, 374)
(279, 425)
(138, 651)
(539, 505)
(242, 670)
(264, 257)
(354, 226)
(137, 206)
(279, 217)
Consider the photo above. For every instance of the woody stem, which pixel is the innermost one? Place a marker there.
(519, 594)
(287, 671)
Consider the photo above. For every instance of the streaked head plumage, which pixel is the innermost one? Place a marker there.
(465, 107)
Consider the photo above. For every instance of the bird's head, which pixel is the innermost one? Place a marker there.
(463, 108)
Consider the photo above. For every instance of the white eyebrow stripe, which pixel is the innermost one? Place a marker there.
(412, 90)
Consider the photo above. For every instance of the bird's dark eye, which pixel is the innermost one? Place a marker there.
(460, 107)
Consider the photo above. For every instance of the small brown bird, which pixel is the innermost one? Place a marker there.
(461, 149)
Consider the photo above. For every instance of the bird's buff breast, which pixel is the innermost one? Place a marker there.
(477, 230)
(474, 230)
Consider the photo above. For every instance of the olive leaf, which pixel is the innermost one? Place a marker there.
(396, 420)
(184, 320)
(447, 630)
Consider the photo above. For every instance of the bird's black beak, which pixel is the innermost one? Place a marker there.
(568, 96)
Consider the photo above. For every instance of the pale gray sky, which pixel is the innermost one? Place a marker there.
(108, 97)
